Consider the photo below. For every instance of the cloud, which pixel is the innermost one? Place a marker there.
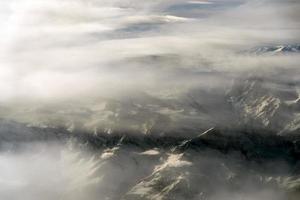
(56, 51)
(162, 66)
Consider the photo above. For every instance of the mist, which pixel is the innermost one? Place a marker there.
(67, 171)
(83, 52)
(97, 95)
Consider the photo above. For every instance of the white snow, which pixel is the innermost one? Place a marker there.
(150, 152)
(200, 2)
(173, 161)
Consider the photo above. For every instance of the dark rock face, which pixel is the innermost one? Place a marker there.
(266, 103)
(231, 163)
(201, 167)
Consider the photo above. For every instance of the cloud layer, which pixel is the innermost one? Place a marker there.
(86, 51)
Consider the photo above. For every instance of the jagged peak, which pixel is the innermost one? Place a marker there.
(276, 49)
